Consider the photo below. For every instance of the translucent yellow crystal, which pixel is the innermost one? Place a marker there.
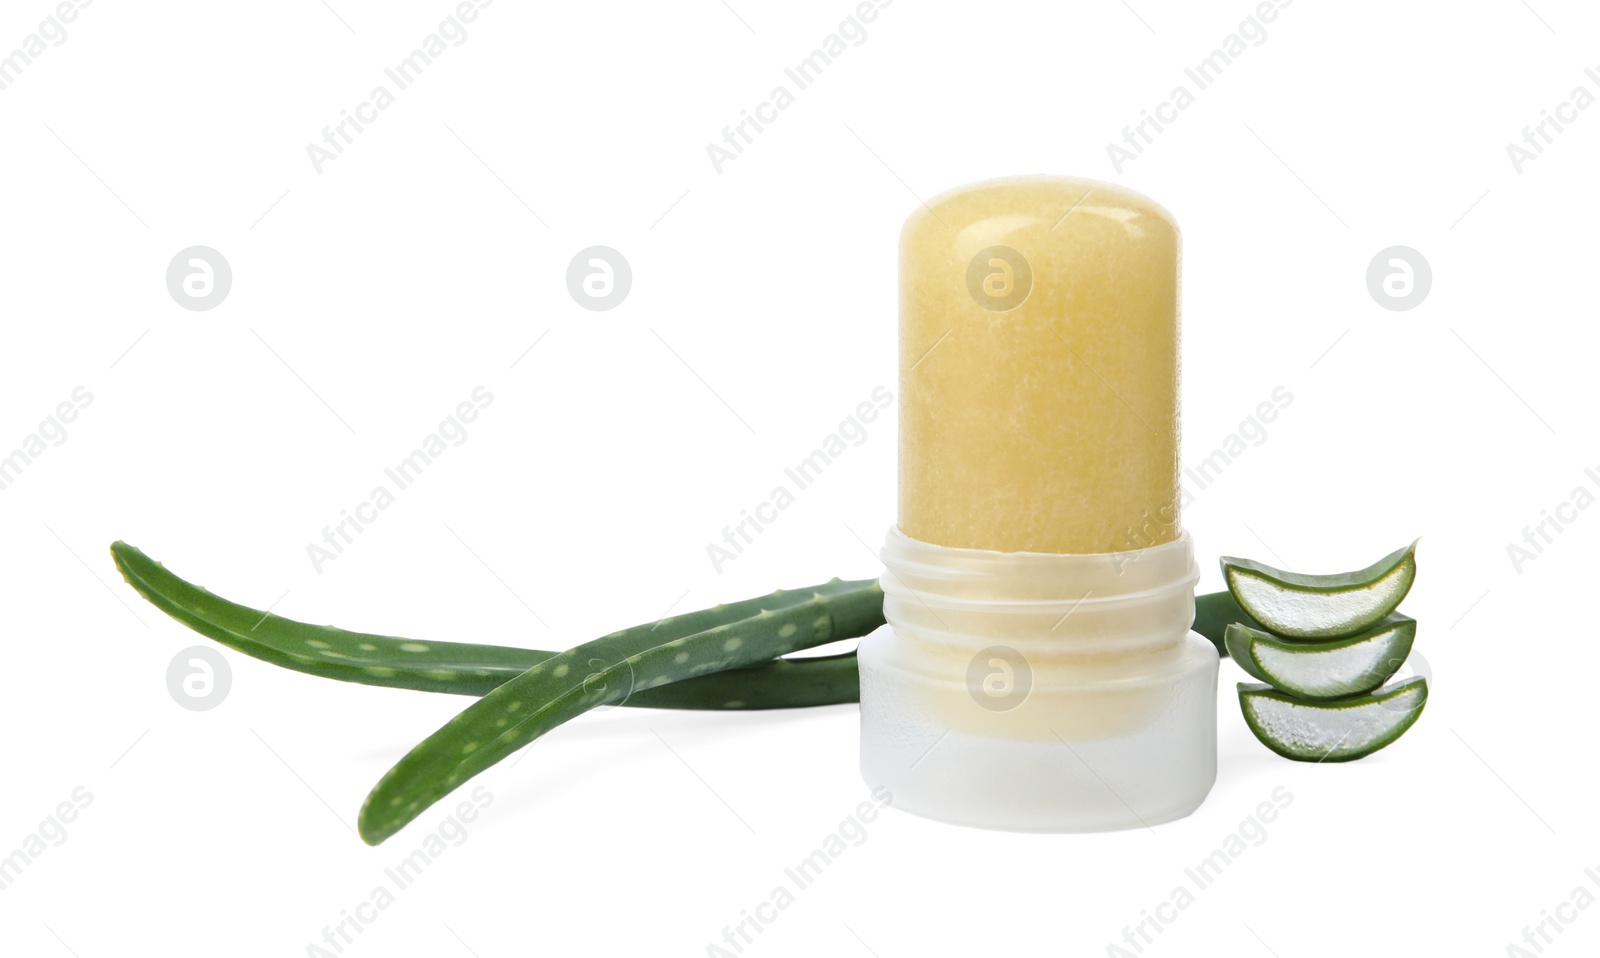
(1039, 368)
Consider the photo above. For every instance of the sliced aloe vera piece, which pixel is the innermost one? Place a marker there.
(1339, 731)
(1299, 606)
(1324, 670)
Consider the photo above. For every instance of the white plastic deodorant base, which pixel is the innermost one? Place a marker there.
(1041, 693)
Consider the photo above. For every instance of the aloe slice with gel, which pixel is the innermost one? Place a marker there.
(1298, 606)
(1332, 669)
(1338, 731)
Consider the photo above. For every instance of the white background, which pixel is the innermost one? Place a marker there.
(369, 299)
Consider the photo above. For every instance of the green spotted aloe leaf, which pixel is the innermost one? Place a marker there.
(603, 672)
(467, 668)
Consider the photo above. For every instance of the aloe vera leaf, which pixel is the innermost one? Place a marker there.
(1299, 606)
(1325, 670)
(472, 669)
(597, 673)
(461, 668)
(1338, 731)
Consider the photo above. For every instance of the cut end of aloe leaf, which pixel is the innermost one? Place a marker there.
(1339, 731)
(1331, 669)
(1236, 642)
(1300, 606)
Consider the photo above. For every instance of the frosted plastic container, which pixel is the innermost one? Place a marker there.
(1039, 692)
